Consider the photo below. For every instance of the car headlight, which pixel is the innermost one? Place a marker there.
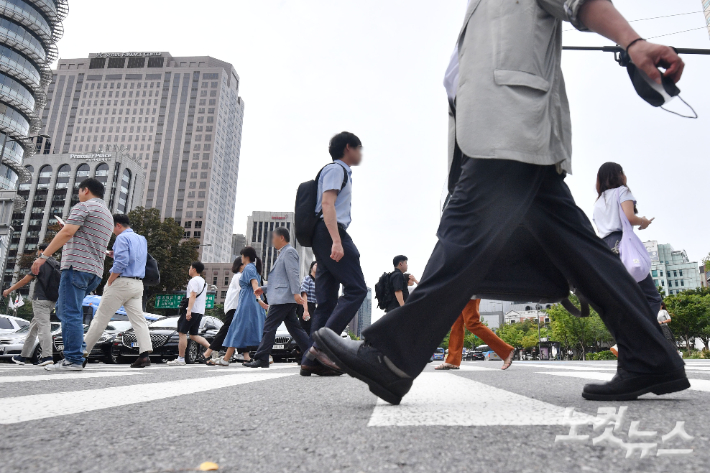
(19, 340)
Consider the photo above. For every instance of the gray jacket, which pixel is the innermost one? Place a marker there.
(283, 278)
(511, 101)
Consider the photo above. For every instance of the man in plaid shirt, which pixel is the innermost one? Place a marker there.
(308, 293)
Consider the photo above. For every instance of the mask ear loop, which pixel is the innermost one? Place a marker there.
(687, 105)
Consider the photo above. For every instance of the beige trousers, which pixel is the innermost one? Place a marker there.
(40, 327)
(124, 292)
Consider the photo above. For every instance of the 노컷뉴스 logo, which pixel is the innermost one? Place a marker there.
(609, 423)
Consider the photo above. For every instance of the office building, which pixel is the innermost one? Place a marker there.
(180, 117)
(53, 190)
(704, 275)
(219, 275)
(363, 318)
(671, 269)
(518, 316)
(29, 31)
(259, 228)
(239, 241)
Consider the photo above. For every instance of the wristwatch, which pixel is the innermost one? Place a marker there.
(43, 256)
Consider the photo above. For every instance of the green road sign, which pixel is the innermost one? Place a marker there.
(172, 301)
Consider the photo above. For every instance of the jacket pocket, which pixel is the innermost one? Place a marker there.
(521, 79)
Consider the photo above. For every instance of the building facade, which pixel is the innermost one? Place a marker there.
(180, 117)
(671, 269)
(239, 241)
(259, 228)
(53, 190)
(363, 318)
(29, 31)
(219, 275)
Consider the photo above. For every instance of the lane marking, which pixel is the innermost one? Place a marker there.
(571, 368)
(43, 406)
(447, 399)
(61, 376)
(695, 384)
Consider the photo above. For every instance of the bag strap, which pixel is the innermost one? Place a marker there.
(203, 290)
(342, 186)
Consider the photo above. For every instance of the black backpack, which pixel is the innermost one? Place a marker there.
(306, 218)
(383, 291)
(152, 273)
(50, 280)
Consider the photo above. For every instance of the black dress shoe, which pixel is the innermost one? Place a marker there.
(319, 370)
(365, 363)
(141, 363)
(626, 386)
(257, 363)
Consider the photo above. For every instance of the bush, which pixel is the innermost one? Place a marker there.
(602, 355)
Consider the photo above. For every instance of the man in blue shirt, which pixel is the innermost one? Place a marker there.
(124, 288)
(338, 257)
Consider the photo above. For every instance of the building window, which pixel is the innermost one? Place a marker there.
(45, 175)
(63, 176)
(198, 224)
(654, 273)
(101, 173)
(680, 271)
(125, 187)
(97, 63)
(197, 234)
(186, 235)
(116, 63)
(682, 283)
(214, 280)
(226, 281)
(136, 63)
(223, 294)
(188, 224)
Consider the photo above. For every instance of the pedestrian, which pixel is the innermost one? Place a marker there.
(189, 321)
(84, 239)
(511, 223)
(664, 318)
(42, 306)
(399, 281)
(124, 288)
(338, 257)
(284, 295)
(470, 319)
(248, 321)
(613, 192)
(308, 294)
(230, 307)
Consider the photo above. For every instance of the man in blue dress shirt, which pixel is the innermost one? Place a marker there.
(338, 257)
(124, 288)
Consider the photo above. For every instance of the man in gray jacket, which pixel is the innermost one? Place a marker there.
(284, 292)
(511, 229)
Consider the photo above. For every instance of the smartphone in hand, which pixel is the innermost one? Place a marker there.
(59, 220)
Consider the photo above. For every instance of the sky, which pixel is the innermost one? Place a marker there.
(312, 68)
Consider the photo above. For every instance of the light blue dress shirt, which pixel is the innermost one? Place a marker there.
(331, 178)
(130, 252)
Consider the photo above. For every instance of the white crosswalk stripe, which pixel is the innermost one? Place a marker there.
(63, 376)
(41, 406)
(695, 384)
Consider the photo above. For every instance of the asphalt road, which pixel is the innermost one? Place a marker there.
(169, 419)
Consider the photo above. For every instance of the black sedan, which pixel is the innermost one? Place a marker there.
(58, 344)
(103, 350)
(164, 336)
(475, 355)
(285, 347)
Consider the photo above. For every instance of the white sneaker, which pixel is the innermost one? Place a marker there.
(64, 365)
(271, 360)
(176, 362)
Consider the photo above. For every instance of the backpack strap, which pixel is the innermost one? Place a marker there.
(342, 186)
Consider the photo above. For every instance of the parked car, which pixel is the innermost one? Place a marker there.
(11, 343)
(102, 351)
(164, 336)
(10, 323)
(285, 347)
(58, 344)
(475, 355)
(439, 354)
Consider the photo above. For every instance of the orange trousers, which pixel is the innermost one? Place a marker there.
(470, 318)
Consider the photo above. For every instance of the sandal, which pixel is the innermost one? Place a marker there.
(221, 362)
(509, 360)
(211, 362)
(447, 366)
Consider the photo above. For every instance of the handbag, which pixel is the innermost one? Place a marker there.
(631, 249)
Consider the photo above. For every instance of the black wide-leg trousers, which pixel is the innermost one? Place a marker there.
(509, 227)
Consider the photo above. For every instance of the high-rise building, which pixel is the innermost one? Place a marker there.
(181, 117)
(363, 318)
(54, 188)
(29, 31)
(259, 228)
(671, 269)
(239, 241)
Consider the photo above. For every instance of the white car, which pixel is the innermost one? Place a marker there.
(11, 343)
(9, 323)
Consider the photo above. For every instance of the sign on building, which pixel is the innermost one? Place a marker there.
(172, 301)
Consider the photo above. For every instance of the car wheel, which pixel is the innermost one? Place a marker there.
(193, 351)
(36, 355)
(111, 359)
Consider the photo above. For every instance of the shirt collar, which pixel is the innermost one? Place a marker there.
(287, 245)
(347, 168)
(127, 230)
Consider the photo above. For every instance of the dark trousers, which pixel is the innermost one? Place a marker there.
(497, 208)
(216, 344)
(648, 287)
(281, 313)
(306, 324)
(336, 312)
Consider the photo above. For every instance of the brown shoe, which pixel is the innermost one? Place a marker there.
(141, 363)
(319, 370)
(316, 354)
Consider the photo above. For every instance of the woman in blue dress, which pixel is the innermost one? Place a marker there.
(248, 322)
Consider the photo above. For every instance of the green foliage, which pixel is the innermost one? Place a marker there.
(217, 311)
(690, 316)
(577, 333)
(601, 355)
(353, 336)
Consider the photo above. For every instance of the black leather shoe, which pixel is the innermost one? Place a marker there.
(626, 386)
(365, 363)
(319, 370)
(141, 362)
(316, 354)
(257, 363)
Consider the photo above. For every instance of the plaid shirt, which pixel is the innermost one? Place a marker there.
(309, 287)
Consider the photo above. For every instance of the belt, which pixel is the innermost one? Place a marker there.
(131, 277)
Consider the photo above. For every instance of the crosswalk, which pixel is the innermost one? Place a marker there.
(479, 394)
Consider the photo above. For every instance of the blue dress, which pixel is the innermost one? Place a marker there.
(248, 322)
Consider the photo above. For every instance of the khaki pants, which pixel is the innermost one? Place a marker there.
(39, 327)
(124, 292)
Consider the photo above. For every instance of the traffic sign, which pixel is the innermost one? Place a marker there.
(172, 301)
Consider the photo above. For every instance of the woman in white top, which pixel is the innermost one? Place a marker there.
(230, 307)
(664, 318)
(612, 189)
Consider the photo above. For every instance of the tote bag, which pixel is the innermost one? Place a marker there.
(631, 250)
